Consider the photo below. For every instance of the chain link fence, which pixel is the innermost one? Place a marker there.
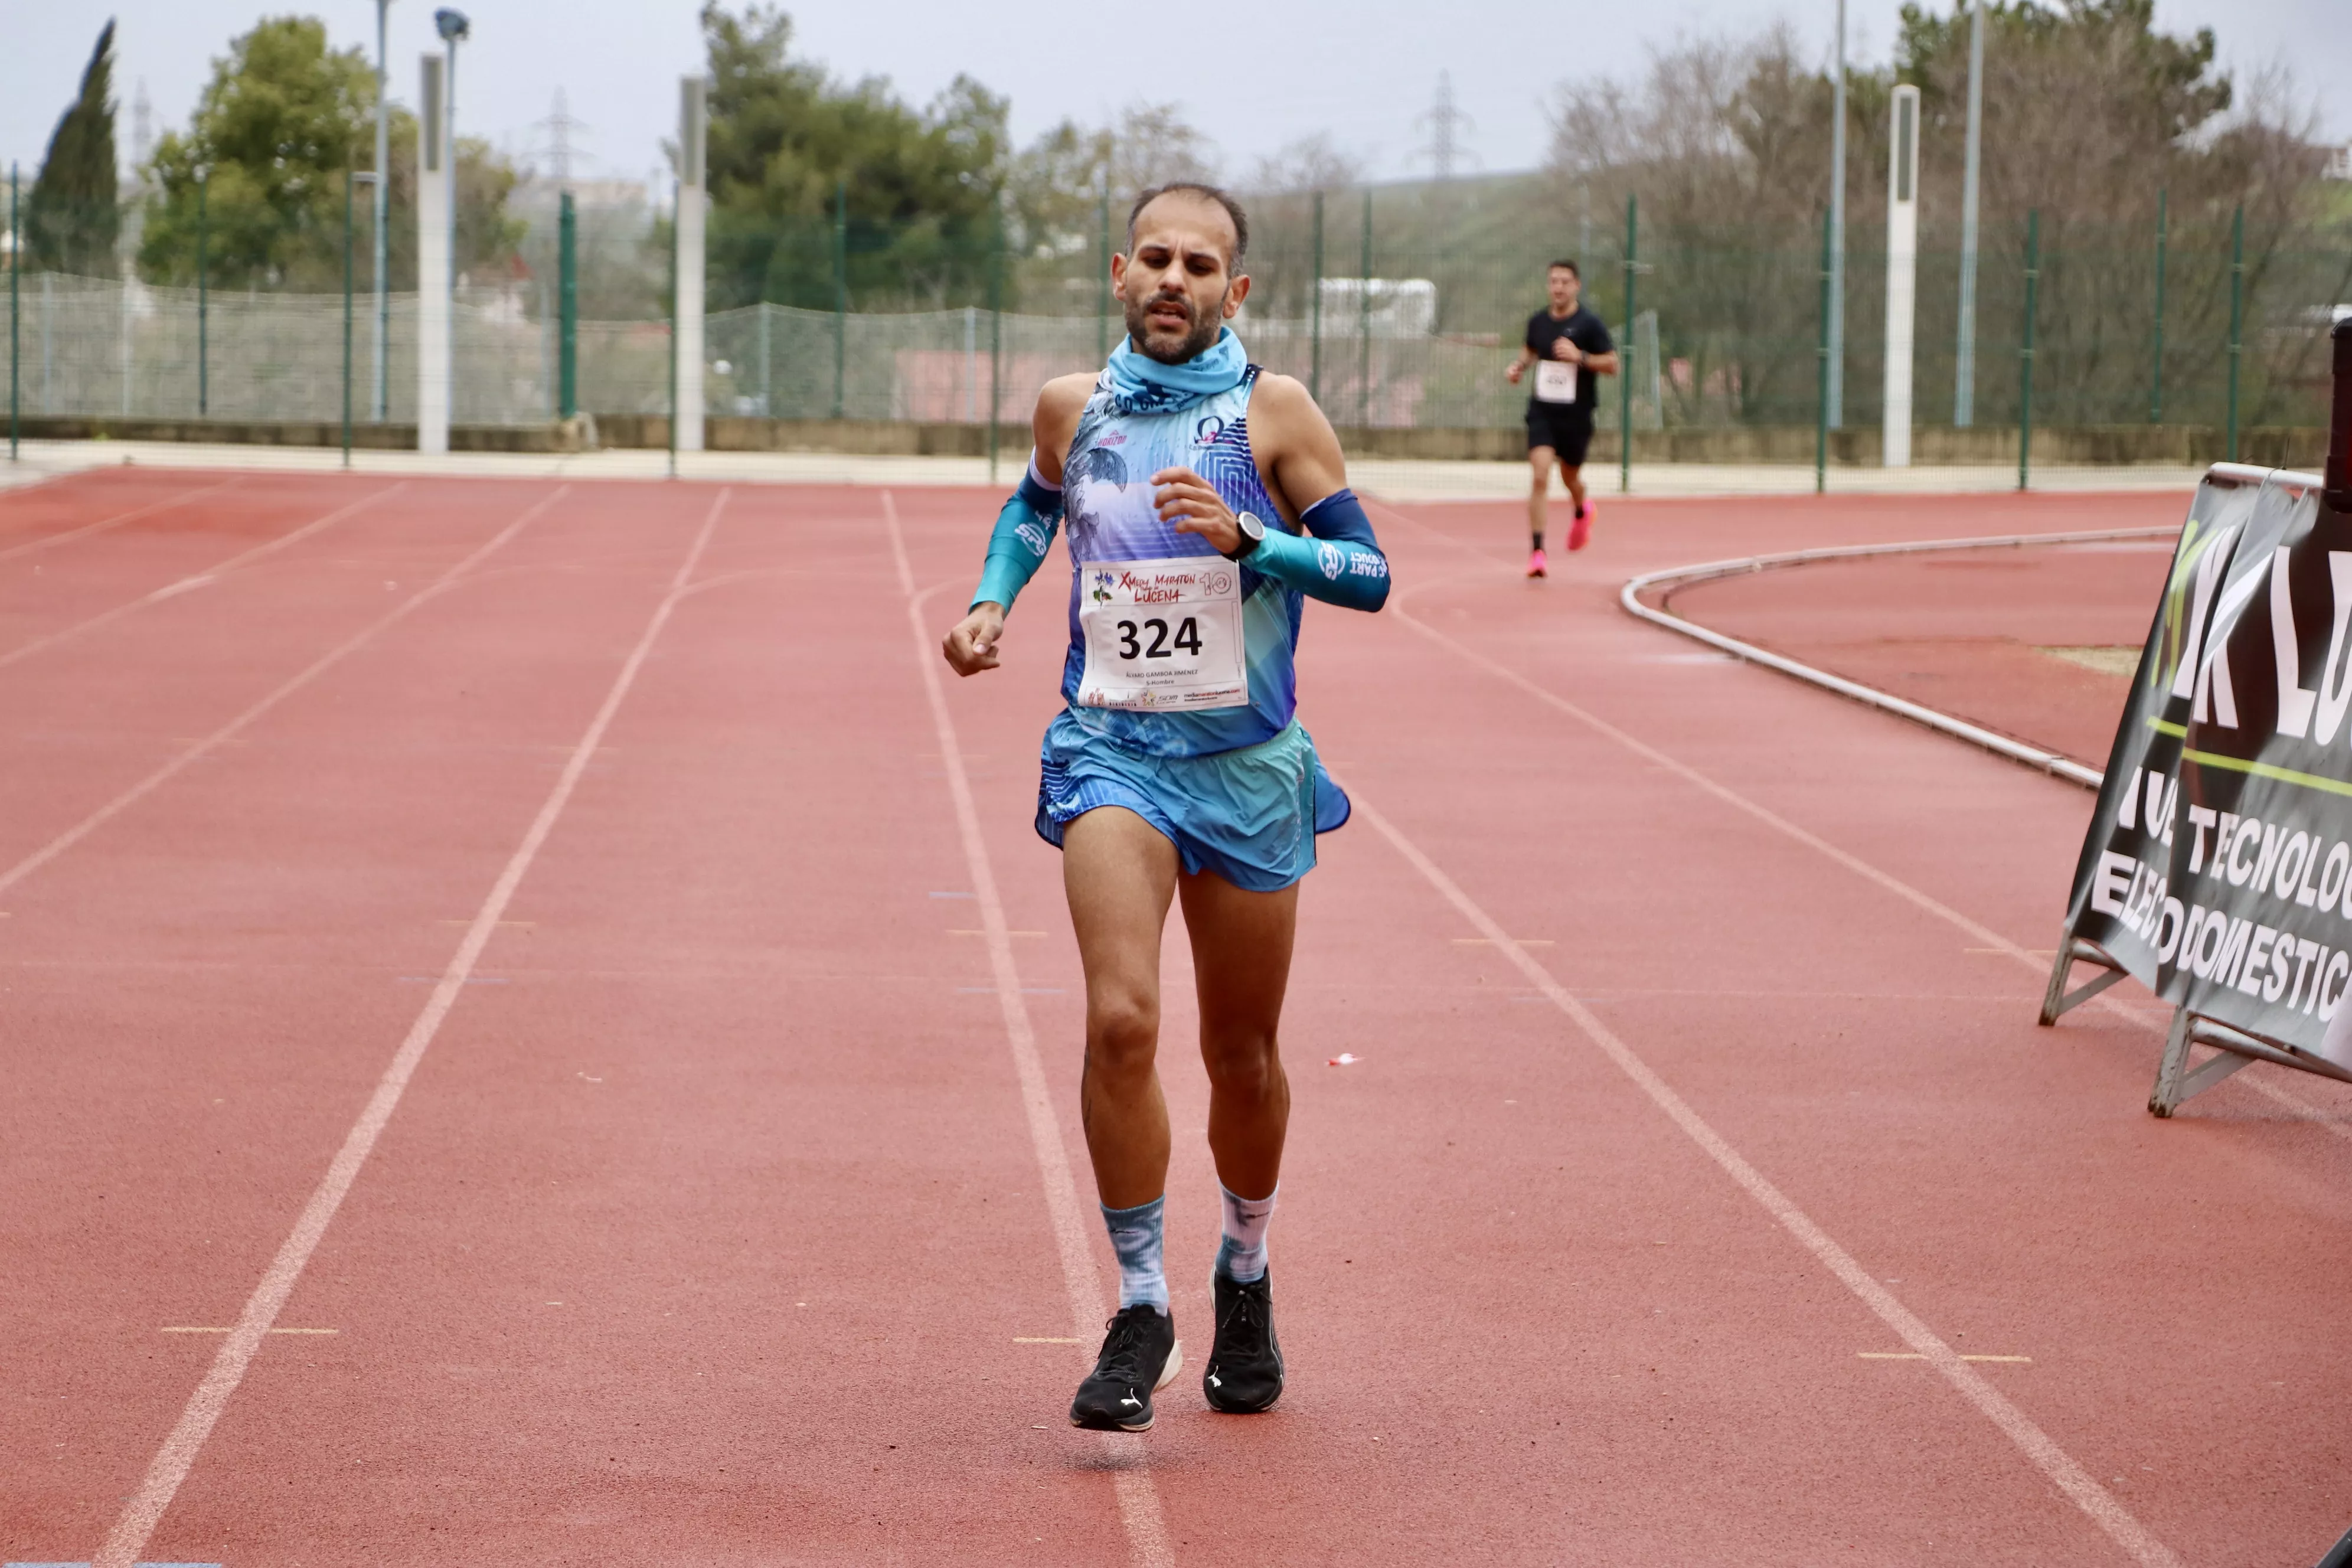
(1391, 325)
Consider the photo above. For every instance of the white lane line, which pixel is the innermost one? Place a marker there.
(1138, 1498)
(197, 580)
(148, 786)
(2047, 1457)
(171, 1461)
(1992, 941)
(117, 521)
(1984, 935)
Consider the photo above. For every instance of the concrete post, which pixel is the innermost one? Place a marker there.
(686, 341)
(1902, 273)
(434, 188)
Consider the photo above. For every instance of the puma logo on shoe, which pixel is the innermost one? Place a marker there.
(1131, 1399)
(1216, 1381)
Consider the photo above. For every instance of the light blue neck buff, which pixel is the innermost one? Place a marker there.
(1141, 385)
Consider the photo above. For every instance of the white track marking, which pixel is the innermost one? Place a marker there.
(1992, 941)
(172, 1462)
(2047, 1457)
(198, 579)
(1984, 935)
(1138, 1498)
(228, 732)
(117, 521)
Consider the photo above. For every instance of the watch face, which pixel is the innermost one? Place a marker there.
(1250, 526)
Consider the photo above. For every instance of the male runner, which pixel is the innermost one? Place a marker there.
(1570, 349)
(1204, 498)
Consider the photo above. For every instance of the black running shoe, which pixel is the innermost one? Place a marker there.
(1139, 1357)
(1245, 1373)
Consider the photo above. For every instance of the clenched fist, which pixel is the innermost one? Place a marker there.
(970, 645)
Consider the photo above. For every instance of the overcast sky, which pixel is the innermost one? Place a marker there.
(1364, 72)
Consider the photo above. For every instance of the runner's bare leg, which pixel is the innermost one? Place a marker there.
(1241, 967)
(1119, 873)
(1539, 459)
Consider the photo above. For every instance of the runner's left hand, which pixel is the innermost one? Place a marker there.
(1188, 500)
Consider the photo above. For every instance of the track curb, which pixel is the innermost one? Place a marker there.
(1629, 599)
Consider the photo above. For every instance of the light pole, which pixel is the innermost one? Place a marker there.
(433, 379)
(1964, 377)
(1837, 233)
(381, 397)
(204, 366)
(451, 24)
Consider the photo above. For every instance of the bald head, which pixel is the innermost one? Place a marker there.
(1193, 195)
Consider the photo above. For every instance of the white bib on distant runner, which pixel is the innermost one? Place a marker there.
(1555, 381)
(1162, 635)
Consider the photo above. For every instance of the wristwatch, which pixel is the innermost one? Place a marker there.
(1252, 535)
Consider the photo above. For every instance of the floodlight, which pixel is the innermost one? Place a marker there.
(451, 24)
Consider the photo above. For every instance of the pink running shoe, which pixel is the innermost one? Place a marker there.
(1581, 531)
(1535, 562)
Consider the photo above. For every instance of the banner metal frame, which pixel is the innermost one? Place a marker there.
(2233, 1047)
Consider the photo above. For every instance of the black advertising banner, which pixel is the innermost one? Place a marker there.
(2218, 869)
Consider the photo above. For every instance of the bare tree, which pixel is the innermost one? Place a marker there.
(1061, 185)
(1311, 163)
(1723, 140)
(2090, 112)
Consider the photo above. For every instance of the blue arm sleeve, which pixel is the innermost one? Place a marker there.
(1336, 561)
(1024, 533)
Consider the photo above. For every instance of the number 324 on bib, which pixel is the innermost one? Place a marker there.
(1162, 634)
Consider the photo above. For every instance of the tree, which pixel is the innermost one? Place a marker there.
(1727, 142)
(1309, 164)
(920, 188)
(1056, 187)
(2089, 113)
(71, 220)
(276, 128)
(276, 132)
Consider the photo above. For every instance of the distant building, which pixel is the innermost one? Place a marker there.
(1398, 307)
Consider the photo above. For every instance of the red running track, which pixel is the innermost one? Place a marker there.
(713, 1224)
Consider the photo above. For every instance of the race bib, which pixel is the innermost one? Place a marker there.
(1555, 381)
(1164, 636)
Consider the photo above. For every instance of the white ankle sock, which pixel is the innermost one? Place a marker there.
(1135, 1236)
(1240, 1255)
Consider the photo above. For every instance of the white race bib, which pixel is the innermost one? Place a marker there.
(1555, 381)
(1162, 635)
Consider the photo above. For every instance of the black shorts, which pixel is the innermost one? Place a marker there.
(1565, 428)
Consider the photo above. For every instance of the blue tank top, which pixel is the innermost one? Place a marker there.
(1107, 500)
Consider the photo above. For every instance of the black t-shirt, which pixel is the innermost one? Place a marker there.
(1583, 328)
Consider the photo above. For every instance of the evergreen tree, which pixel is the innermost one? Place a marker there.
(920, 185)
(72, 218)
(283, 120)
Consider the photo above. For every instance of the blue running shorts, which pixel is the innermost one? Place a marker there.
(1249, 814)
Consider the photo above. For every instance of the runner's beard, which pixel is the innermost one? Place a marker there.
(1204, 331)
